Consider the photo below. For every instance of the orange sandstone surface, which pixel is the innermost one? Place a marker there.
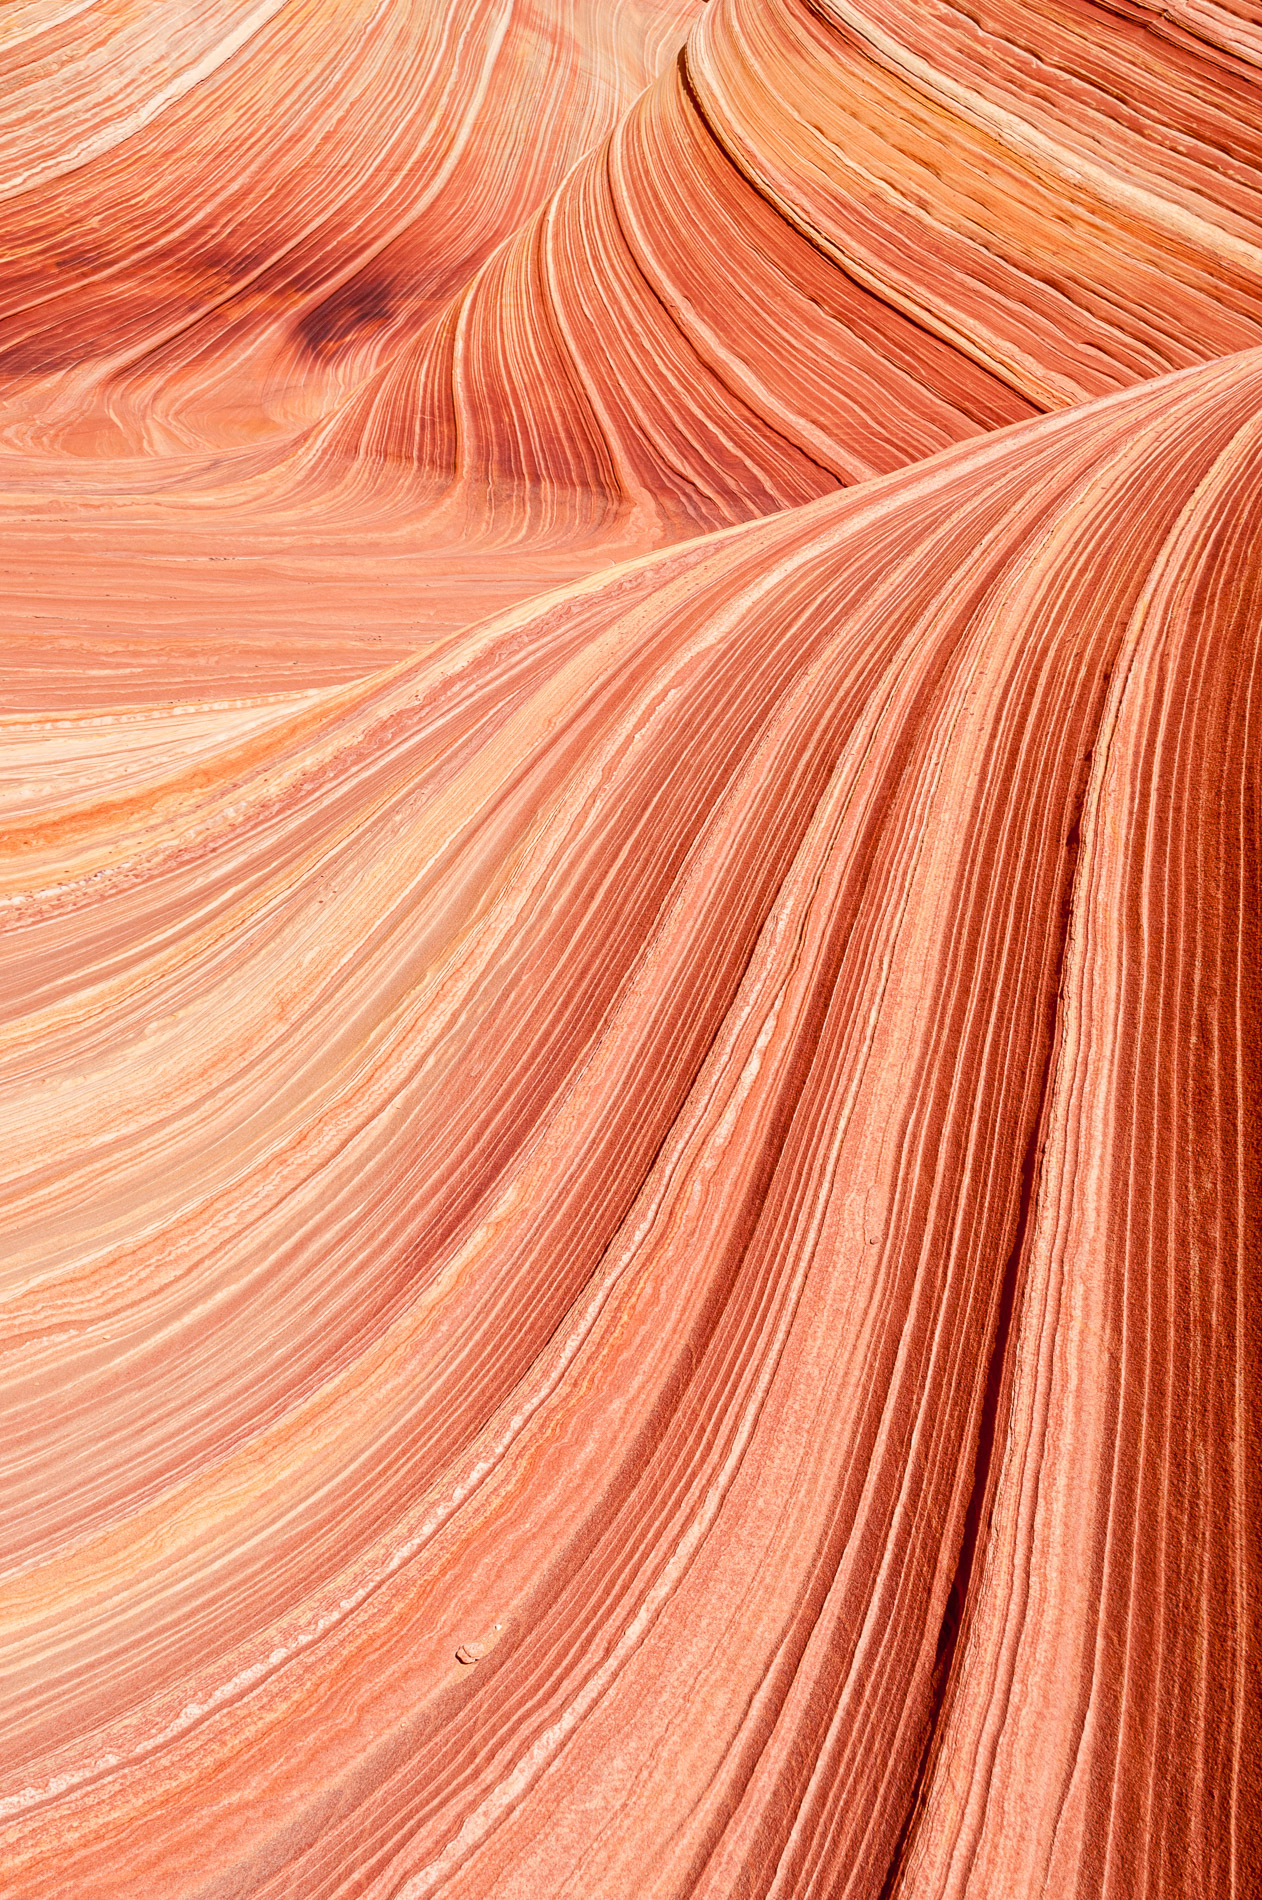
(631, 788)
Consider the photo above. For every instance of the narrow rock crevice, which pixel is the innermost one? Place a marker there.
(997, 1393)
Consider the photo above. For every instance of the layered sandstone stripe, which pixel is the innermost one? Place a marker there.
(217, 215)
(629, 847)
(956, 238)
(406, 312)
(695, 1148)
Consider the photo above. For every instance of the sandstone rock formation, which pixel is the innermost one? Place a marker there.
(630, 1023)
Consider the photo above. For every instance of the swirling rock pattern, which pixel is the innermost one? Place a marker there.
(630, 1023)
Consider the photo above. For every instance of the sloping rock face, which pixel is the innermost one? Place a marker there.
(629, 1002)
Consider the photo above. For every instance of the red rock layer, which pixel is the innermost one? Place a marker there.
(823, 244)
(628, 999)
(784, 183)
(234, 206)
(701, 1142)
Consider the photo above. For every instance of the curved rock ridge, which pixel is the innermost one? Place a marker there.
(234, 205)
(444, 318)
(629, 1242)
(630, 835)
(1097, 220)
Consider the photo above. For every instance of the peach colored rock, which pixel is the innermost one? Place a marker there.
(631, 787)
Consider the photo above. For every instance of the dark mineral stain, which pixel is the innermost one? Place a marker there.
(363, 304)
(106, 301)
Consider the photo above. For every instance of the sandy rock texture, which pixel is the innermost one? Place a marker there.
(630, 1019)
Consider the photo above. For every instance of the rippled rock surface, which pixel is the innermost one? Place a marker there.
(629, 1008)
